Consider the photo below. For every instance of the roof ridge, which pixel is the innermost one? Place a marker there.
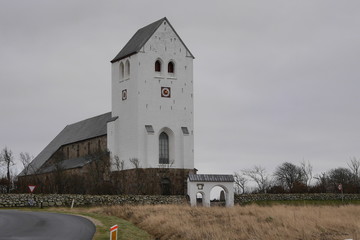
(101, 115)
(138, 40)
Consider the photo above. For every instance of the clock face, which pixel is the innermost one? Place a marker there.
(124, 94)
(165, 92)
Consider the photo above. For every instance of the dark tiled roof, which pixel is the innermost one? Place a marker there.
(86, 129)
(67, 164)
(140, 38)
(210, 178)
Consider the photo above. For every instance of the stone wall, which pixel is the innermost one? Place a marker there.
(248, 198)
(65, 200)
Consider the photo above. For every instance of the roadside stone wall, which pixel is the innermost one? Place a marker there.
(65, 200)
(248, 198)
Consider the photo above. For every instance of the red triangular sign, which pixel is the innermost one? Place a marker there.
(32, 187)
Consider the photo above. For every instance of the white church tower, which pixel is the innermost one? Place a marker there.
(152, 101)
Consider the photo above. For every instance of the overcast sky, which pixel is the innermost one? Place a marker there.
(274, 81)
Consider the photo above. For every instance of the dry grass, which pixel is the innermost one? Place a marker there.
(250, 222)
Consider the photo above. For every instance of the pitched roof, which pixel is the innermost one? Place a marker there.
(88, 128)
(139, 39)
(210, 178)
(67, 164)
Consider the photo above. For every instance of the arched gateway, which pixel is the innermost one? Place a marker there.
(203, 183)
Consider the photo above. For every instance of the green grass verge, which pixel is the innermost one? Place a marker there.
(126, 229)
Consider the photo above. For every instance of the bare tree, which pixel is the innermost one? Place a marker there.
(25, 160)
(6, 157)
(307, 170)
(259, 175)
(288, 174)
(354, 166)
(135, 162)
(119, 164)
(240, 181)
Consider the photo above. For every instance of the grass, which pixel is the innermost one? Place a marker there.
(299, 220)
(173, 222)
(306, 202)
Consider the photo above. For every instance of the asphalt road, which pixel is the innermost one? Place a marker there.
(22, 225)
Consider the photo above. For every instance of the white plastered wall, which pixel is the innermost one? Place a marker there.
(193, 189)
(145, 106)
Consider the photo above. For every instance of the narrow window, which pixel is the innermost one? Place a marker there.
(99, 145)
(121, 70)
(89, 148)
(171, 67)
(157, 66)
(127, 68)
(78, 150)
(163, 148)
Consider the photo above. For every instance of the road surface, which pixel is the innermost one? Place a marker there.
(22, 225)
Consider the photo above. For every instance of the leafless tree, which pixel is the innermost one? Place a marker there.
(119, 164)
(25, 160)
(259, 175)
(135, 162)
(99, 172)
(354, 166)
(6, 157)
(288, 174)
(240, 181)
(59, 174)
(307, 170)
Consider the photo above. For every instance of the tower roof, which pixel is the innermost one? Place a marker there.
(139, 39)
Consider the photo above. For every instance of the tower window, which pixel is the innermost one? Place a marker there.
(157, 66)
(121, 70)
(127, 68)
(163, 148)
(171, 67)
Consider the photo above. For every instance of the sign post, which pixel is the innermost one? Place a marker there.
(113, 232)
(340, 187)
(31, 200)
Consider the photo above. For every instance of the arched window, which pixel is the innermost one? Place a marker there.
(163, 148)
(171, 67)
(127, 67)
(121, 70)
(157, 66)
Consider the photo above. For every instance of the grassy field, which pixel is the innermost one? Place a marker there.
(251, 222)
(268, 221)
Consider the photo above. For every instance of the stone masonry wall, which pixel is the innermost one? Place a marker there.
(248, 198)
(65, 200)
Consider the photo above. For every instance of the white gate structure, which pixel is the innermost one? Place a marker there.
(203, 183)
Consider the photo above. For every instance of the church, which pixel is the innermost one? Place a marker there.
(145, 145)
